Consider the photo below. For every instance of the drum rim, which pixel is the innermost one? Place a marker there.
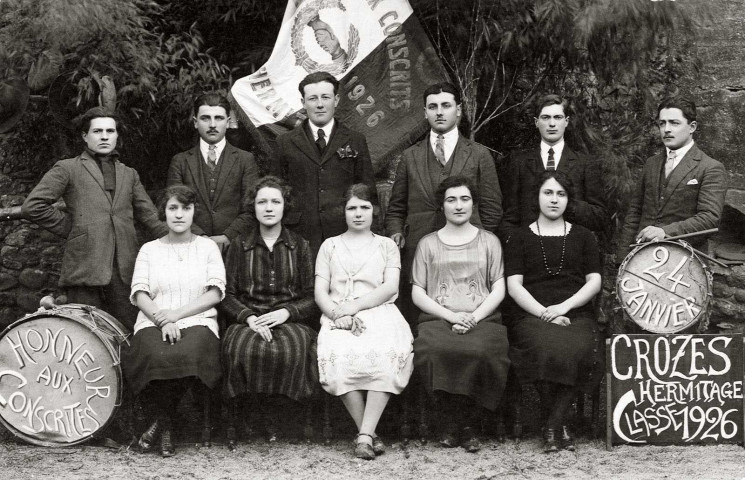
(702, 319)
(61, 311)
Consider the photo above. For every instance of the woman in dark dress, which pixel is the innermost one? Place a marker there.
(553, 273)
(269, 349)
(177, 281)
(461, 349)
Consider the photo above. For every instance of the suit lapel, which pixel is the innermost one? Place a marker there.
(688, 163)
(339, 137)
(656, 167)
(90, 165)
(120, 170)
(195, 156)
(460, 156)
(567, 160)
(228, 162)
(534, 162)
(303, 140)
(422, 168)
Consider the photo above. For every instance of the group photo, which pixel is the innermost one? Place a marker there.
(393, 238)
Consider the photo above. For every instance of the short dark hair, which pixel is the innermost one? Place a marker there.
(561, 178)
(453, 182)
(551, 99)
(211, 99)
(270, 181)
(359, 190)
(95, 112)
(442, 87)
(318, 77)
(685, 104)
(184, 194)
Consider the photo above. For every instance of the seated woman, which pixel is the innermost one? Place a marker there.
(177, 281)
(553, 273)
(364, 345)
(461, 350)
(269, 349)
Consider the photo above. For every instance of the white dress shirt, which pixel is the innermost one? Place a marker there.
(679, 153)
(327, 129)
(204, 147)
(450, 139)
(558, 148)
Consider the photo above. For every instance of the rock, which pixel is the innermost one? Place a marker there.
(740, 296)
(7, 298)
(722, 290)
(736, 277)
(28, 302)
(731, 251)
(729, 311)
(32, 278)
(7, 316)
(20, 237)
(7, 281)
(12, 264)
(7, 251)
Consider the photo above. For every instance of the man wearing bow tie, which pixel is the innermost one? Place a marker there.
(523, 168)
(681, 190)
(320, 159)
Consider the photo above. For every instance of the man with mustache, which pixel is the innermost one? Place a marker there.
(102, 197)
(523, 168)
(681, 190)
(220, 173)
(320, 159)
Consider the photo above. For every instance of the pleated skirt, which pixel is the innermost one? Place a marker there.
(285, 366)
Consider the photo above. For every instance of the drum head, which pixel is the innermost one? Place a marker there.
(664, 287)
(60, 380)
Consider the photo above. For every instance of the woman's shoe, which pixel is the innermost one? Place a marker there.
(166, 446)
(378, 446)
(470, 442)
(149, 436)
(364, 450)
(566, 439)
(449, 440)
(550, 444)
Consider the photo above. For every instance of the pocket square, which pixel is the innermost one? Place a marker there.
(692, 182)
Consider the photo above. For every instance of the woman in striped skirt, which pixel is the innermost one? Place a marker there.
(269, 348)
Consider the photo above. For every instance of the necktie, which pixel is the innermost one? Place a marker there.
(551, 164)
(440, 150)
(212, 157)
(670, 163)
(321, 142)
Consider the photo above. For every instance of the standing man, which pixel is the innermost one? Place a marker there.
(103, 197)
(220, 173)
(524, 167)
(680, 191)
(320, 159)
(413, 210)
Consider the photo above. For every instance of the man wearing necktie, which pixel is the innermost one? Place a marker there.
(320, 159)
(102, 197)
(220, 173)
(522, 169)
(681, 190)
(413, 210)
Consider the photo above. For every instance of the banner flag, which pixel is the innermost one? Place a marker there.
(378, 51)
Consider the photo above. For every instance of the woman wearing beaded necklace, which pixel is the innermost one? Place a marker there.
(553, 273)
(177, 281)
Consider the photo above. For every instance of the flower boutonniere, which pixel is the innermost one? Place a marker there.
(347, 152)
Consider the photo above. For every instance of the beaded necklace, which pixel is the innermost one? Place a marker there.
(543, 249)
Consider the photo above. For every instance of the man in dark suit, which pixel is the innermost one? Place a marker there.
(220, 173)
(320, 159)
(680, 191)
(102, 197)
(524, 167)
(413, 211)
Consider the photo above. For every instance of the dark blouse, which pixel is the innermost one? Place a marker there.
(524, 257)
(260, 281)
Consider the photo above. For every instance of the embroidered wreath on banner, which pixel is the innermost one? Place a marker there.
(308, 15)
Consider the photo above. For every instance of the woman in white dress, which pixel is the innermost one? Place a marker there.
(365, 349)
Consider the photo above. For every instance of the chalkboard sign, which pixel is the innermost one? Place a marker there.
(674, 389)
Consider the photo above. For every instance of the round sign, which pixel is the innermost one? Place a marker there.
(60, 379)
(664, 287)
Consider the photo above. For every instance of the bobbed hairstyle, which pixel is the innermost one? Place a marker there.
(453, 182)
(182, 193)
(442, 87)
(359, 190)
(211, 99)
(270, 181)
(561, 178)
(318, 77)
(548, 100)
(95, 112)
(685, 104)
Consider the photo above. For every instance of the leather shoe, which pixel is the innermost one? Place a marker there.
(448, 440)
(166, 446)
(550, 444)
(566, 439)
(470, 443)
(378, 446)
(148, 437)
(364, 450)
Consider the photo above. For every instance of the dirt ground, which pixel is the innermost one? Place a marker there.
(261, 460)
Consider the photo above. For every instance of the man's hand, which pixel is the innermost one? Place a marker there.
(650, 234)
(399, 239)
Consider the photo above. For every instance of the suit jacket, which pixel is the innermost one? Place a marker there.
(413, 209)
(225, 215)
(692, 201)
(95, 224)
(521, 196)
(319, 181)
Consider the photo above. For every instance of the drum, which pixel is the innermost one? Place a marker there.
(60, 378)
(664, 287)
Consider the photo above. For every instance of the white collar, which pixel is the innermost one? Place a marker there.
(451, 137)
(327, 129)
(558, 148)
(681, 152)
(204, 147)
